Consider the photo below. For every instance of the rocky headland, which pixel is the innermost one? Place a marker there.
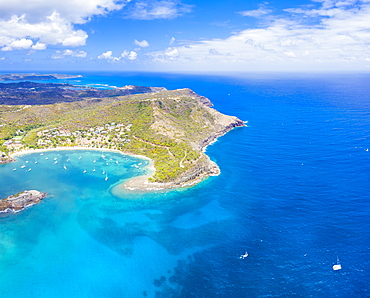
(170, 127)
(20, 201)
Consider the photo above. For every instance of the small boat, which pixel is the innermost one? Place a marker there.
(41, 154)
(94, 161)
(55, 162)
(84, 171)
(68, 159)
(46, 157)
(55, 158)
(26, 161)
(36, 162)
(116, 161)
(337, 266)
(106, 177)
(64, 167)
(103, 172)
(22, 167)
(14, 169)
(244, 256)
(80, 157)
(29, 169)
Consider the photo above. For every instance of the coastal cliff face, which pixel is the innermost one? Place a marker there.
(18, 202)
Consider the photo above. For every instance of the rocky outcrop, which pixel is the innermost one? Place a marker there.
(18, 202)
(202, 169)
(5, 159)
(236, 122)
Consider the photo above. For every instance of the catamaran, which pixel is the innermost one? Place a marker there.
(337, 266)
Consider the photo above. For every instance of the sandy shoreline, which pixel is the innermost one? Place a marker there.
(135, 183)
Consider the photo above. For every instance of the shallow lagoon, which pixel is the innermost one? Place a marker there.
(83, 241)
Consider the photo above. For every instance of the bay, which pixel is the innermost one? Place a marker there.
(293, 192)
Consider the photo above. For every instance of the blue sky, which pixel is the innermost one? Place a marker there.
(185, 35)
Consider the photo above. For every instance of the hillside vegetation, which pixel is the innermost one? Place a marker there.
(170, 127)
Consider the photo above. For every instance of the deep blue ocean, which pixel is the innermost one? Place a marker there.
(294, 192)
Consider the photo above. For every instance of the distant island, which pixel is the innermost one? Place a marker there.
(171, 127)
(35, 76)
(20, 201)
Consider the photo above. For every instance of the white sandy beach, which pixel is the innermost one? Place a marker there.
(135, 183)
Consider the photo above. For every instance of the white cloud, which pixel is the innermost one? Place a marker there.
(69, 53)
(124, 53)
(150, 10)
(325, 38)
(132, 55)
(48, 22)
(108, 55)
(171, 52)
(257, 13)
(39, 46)
(2, 58)
(142, 43)
(172, 40)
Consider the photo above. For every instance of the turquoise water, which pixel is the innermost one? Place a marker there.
(293, 192)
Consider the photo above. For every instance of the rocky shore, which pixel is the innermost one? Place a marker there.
(5, 158)
(20, 201)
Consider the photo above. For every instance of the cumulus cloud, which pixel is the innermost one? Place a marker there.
(130, 55)
(334, 35)
(160, 9)
(69, 53)
(34, 24)
(142, 43)
(108, 55)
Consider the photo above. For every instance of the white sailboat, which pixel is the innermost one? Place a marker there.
(106, 177)
(337, 266)
(244, 256)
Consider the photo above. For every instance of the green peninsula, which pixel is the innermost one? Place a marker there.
(170, 127)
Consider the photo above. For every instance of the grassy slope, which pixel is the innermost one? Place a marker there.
(166, 126)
